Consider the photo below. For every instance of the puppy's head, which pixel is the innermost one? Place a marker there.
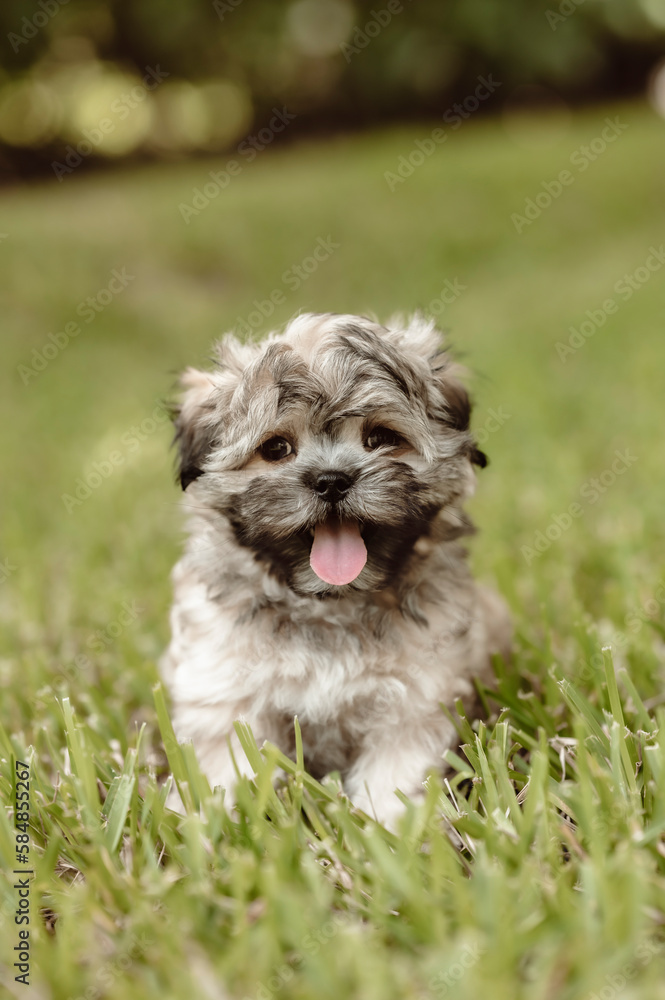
(330, 449)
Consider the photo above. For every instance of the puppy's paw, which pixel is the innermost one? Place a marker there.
(173, 800)
(385, 807)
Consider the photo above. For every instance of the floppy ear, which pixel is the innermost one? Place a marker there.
(195, 424)
(479, 457)
(455, 409)
(449, 402)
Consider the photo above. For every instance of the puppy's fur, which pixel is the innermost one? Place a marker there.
(357, 435)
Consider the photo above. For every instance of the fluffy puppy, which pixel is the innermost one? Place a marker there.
(325, 471)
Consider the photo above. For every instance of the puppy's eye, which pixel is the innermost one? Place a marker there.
(276, 448)
(379, 437)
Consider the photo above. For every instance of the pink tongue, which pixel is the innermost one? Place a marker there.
(338, 552)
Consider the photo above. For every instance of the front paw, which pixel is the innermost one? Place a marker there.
(173, 800)
(383, 806)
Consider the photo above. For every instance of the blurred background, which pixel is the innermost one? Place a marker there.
(68, 64)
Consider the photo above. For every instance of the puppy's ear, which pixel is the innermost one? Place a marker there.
(195, 424)
(479, 457)
(455, 408)
(457, 405)
(449, 400)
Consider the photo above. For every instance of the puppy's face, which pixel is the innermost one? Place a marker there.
(329, 449)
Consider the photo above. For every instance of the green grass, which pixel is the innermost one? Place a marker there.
(538, 870)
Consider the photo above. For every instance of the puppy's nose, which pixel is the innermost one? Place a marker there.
(332, 486)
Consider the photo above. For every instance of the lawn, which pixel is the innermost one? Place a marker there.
(538, 870)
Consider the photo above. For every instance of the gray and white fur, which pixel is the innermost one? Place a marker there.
(338, 450)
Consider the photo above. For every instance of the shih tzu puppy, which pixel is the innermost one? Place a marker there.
(325, 471)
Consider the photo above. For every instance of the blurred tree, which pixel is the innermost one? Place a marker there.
(223, 65)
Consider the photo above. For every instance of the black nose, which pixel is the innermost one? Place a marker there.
(332, 486)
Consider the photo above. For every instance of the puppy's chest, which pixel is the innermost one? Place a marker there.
(320, 670)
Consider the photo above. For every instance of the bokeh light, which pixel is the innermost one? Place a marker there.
(654, 11)
(30, 113)
(320, 27)
(657, 89)
(99, 94)
(331, 62)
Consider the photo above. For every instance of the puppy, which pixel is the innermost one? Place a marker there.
(325, 471)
